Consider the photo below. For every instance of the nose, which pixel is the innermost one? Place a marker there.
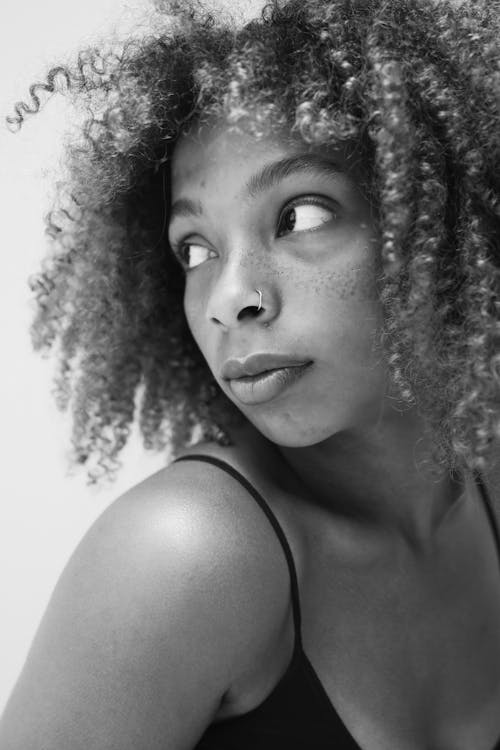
(240, 294)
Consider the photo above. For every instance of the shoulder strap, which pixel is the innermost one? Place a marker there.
(274, 523)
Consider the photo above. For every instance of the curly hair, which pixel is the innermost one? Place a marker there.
(414, 83)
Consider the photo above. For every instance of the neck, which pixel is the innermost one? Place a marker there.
(379, 476)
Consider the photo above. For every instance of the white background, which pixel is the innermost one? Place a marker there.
(43, 512)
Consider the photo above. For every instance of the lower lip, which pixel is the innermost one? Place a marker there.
(268, 385)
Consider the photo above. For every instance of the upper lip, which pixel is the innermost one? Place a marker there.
(254, 364)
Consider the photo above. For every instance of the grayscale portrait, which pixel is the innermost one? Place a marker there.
(266, 297)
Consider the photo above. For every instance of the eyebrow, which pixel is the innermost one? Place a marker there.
(185, 207)
(270, 176)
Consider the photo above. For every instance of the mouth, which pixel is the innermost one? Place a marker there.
(267, 384)
(258, 364)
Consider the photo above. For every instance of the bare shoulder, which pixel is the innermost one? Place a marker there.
(236, 521)
(167, 601)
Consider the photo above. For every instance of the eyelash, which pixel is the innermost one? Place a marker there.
(309, 200)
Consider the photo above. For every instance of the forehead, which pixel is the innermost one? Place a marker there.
(210, 148)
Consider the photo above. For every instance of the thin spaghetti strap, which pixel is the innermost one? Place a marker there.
(274, 523)
(489, 510)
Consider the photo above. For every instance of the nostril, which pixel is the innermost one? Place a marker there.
(250, 311)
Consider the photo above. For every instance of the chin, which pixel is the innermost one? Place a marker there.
(287, 431)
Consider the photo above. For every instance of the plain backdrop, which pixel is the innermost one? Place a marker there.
(43, 511)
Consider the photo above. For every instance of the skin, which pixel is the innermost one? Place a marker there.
(414, 659)
(179, 593)
(337, 428)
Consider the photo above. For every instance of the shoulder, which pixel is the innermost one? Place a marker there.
(191, 505)
(196, 531)
(177, 592)
(197, 521)
(255, 463)
(213, 493)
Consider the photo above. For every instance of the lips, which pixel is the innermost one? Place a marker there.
(255, 364)
(254, 390)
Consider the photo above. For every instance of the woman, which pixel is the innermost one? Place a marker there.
(286, 238)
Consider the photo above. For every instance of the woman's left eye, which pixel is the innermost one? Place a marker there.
(302, 217)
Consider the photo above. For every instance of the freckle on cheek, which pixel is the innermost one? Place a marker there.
(355, 282)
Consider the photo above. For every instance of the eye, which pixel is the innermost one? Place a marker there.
(191, 254)
(304, 216)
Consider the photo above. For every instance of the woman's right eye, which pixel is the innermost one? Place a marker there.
(191, 254)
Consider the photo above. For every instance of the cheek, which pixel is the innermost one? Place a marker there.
(193, 310)
(350, 287)
(358, 282)
(355, 285)
(351, 316)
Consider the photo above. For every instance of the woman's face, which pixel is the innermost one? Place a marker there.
(277, 216)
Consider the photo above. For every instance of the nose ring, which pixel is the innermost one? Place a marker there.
(260, 299)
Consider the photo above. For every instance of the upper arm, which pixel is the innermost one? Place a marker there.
(137, 645)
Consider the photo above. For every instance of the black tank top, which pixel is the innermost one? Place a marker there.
(297, 714)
